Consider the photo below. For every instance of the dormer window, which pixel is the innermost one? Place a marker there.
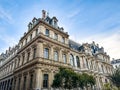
(31, 37)
(54, 22)
(29, 26)
(26, 41)
(34, 21)
(21, 44)
(47, 32)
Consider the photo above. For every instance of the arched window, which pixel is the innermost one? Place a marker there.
(87, 66)
(46, 53)
(78, 61)
(55, 55)
(102, 68)
(64, 58)
(72, 60)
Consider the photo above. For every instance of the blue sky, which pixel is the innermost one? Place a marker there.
(84, 20)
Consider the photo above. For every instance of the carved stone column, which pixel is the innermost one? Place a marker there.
(84, 63)
(51, 77)
(68, 58)
(60, 55)
(41, 49)
(51, 53)
(81, 62)
(21, 83)
(75, 62)
(27, 81)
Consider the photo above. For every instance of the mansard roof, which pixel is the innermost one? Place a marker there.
(74, 45)
(94, 48)
(115, 61)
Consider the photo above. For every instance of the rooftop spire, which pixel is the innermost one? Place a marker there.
(43, 14)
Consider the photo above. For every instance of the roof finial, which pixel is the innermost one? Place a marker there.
(43, 14)
(48, 13)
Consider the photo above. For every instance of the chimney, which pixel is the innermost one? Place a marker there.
(9, 48)
(43, 14)
(97, 45)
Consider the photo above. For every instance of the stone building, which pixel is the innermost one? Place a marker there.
(33, 62)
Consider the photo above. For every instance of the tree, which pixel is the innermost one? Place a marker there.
(88, 80)
(91, 81)
(64, 79)
(81, 81)
(57, 81)
(108, 86)
(68, 79)
(85, 77)
(115, 77)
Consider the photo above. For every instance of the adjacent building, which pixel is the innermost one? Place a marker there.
(33, 62)
(115, 63)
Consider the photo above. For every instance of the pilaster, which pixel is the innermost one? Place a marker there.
(60, 55)
(38, 77)
(68, 58)
(38, 49)
(51, 53)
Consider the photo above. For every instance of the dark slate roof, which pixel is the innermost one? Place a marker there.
(115, 61)
(74, 45)
(1, 57)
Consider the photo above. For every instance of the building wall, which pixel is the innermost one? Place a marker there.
(24, 69)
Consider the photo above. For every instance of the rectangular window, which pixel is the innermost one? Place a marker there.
(45, 81)
(24, 84)
(14, 84)
(64, 58)
(31, 82)
(31, 37)
(55, 55)
(18, 61)
(34, 53)
(63, 40)
(36, 32)
(46, 53)
(87, 64)
(28, 56)
(15, 62)
(26, 41)
(21, 44)
(23, 59)
(56, 36)
(47, 32)
(19, 82)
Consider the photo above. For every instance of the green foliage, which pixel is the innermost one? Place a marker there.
(68, 79)
(107, 86)
(115, 77)
(91, 80)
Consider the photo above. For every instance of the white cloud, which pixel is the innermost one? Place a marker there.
(9, 42)
(5, 16)
(73, 14)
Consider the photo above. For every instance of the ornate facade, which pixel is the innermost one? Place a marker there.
(32, 63)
